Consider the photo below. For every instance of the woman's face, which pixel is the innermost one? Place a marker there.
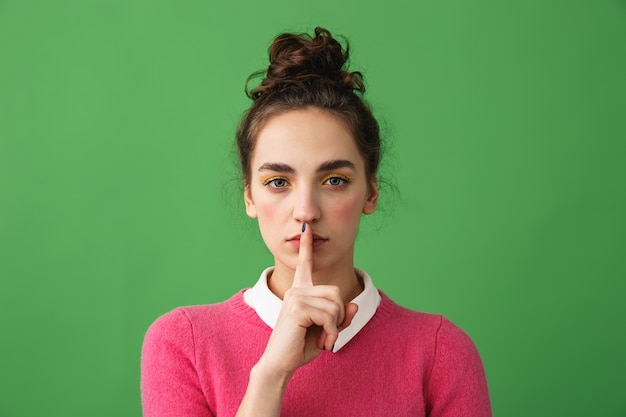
(306, 168)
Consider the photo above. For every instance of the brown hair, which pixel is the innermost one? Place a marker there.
(307, 71)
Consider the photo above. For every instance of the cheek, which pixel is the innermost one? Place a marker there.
(266, 213)
(267, 220)
(348, 210)
(271, 215)
(265, 207)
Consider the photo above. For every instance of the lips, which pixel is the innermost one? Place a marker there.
(318, 241)
(315, 237)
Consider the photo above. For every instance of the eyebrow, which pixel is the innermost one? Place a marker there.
(336, 164)
(277, 166)
(325, 166)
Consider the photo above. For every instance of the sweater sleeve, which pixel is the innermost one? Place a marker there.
(170, 386)
(457, 385)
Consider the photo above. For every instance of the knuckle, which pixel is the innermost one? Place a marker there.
(291, 293)
(292, 302)
(331, 318)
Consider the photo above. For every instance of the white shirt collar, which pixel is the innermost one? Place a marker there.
(267, 305)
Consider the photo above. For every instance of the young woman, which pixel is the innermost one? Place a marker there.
(313, 337)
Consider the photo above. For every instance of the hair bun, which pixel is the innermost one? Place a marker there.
(298, 59)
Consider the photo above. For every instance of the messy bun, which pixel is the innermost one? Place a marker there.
(302, 59)
(309, 71)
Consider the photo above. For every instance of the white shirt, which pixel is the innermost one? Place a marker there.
(267, 305)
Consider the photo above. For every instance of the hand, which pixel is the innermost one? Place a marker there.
(310, 319)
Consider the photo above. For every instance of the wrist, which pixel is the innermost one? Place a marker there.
(265, 392)
(269, 376)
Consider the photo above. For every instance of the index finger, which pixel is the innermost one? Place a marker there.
(304, 268)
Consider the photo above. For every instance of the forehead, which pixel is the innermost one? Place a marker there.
(305, 138)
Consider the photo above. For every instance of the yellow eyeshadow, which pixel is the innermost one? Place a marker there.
(266, 181)
(343, 177)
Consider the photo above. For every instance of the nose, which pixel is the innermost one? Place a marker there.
(306, 207)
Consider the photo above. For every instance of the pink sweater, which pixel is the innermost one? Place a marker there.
(196, 362)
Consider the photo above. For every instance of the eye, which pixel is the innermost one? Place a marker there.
(276, 182)
(335, 180)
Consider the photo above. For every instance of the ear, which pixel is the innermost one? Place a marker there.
(247, 198)
(372, 198)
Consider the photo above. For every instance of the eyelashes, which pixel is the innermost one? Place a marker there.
(276, 182)
(330, 180)
(336, 180)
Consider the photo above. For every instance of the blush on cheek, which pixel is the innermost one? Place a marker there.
(268, 217)
(266, 213)
(347, 210)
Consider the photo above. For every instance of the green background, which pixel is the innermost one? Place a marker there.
(119, 197)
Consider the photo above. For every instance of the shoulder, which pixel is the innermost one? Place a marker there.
(446, 335)
(406, 319)
(176, 353)
(453, 338)
(432, 321)
(185, 317)
(182, 323)
(456, 384)
(175, 331)
(435, 334)
(457, 380)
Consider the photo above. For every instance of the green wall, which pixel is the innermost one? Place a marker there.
(119, 200)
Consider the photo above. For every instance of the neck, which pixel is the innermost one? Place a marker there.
(349, 282)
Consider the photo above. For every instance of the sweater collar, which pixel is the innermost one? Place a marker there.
(267, 305)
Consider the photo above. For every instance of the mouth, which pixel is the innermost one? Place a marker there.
(315, 237)
(318, 241)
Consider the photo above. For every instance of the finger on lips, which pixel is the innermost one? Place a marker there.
(330, 324)
(304, 268)
(304, 272)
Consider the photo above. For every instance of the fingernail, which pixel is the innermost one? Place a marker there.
(303, 227)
